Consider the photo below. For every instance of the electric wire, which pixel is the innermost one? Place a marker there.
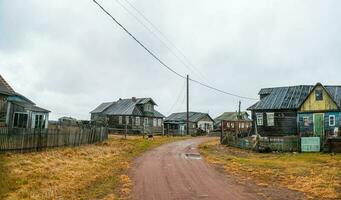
(164, 64)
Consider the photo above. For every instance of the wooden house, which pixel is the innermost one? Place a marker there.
(319, 113)
(176, 123)
(238, 122)
(297, 110)
(17, 111)
(134, 114)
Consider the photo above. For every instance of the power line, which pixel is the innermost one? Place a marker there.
(177, 99)
(186, 60)
(157, 37)
(164, 64)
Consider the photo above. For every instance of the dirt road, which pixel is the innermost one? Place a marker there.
(176, 171)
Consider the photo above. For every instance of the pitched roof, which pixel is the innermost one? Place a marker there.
(125, 107)
(233, 116)
(101, 107)
(31, 107)
(193, 116)
(5, 88)
(292, 97)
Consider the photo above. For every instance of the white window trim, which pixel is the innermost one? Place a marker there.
(269, 116)
(330, 117)
(120, 119)
(305, 118)
(260, 119)
(137, 121)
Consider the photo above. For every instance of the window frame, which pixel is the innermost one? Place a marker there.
(317, 97)
(127, 120)
(270, 117)
(334, 122)
(304, 121)
(260, 119)
(120, 120)
(137, 121)
(14, 121)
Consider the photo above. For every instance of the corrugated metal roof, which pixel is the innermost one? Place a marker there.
(125, 107)
(290, 97)
(5, 88)
(233, 116)
(193, 116)
(102, 107)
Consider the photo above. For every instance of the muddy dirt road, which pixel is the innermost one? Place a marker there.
(176, 171)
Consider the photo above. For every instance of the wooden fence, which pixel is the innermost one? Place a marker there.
(23, 140)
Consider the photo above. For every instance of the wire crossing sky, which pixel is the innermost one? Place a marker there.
(164, 64)
(65, 56)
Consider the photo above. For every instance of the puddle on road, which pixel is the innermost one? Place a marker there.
(193, 156)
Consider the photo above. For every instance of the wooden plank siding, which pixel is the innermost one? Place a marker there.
(23, 140)
(285, 123)
(312, 105)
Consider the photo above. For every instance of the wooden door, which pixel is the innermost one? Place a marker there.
(318, 124)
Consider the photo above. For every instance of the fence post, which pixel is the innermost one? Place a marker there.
(125, 131)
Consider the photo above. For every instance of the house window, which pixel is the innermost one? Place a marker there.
(271, 119)
(39, 121)
(332, 120)
(306, 121)
(232, 125)
(243, 126)
(146, 121)
(20, 120)
(228, 124)
(137, 121)
(120, 119)
(127, 119)
(259, 117)
(154, 122)
(319, 95)
(159, 122)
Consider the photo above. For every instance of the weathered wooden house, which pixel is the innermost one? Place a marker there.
(234, 122)
(319, 113)
(135, 114)
(176, 123)
(17, 111)
(305, 110)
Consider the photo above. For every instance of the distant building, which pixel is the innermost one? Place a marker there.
(135, 114)
(17, 111)
(176, 123)
(234, 122)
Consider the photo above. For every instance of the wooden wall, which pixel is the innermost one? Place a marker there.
(285, 123)
(312, 105)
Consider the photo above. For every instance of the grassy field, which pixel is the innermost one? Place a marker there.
(88, 172)
(316, 175)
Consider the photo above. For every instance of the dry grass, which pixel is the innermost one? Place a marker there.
(317, 175)
(88, 172)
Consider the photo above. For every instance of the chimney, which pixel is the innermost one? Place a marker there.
(134, 99)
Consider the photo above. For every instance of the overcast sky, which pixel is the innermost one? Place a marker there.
(68, 56)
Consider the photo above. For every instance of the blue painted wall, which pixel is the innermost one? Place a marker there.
(309, 130)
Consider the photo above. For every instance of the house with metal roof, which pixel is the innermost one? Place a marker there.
(17, 111)
(176, 123)
(233, 122)
(304, 110)
(133, 114)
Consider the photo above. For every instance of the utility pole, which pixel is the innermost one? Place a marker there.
(239, 111)
(187, 104)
